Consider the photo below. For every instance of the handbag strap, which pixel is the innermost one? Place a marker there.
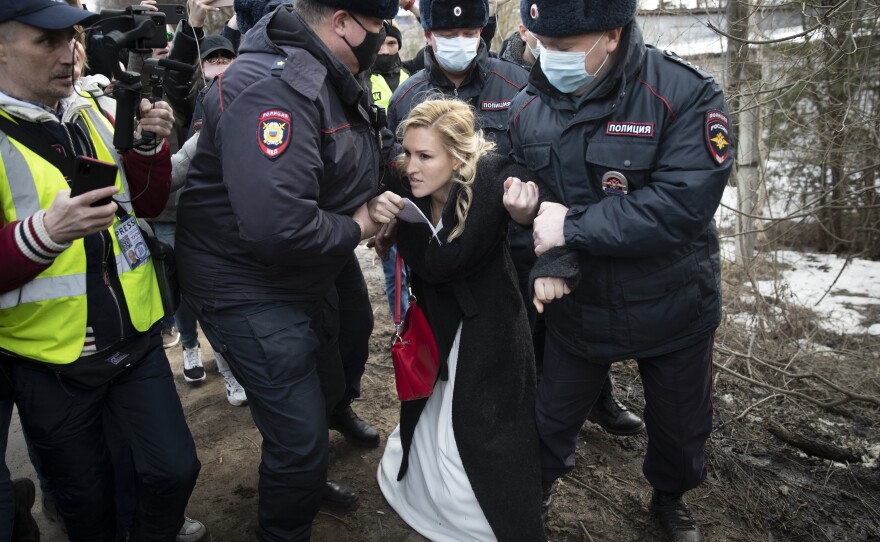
(397, 286)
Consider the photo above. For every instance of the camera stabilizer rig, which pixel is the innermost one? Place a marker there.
(139, 30)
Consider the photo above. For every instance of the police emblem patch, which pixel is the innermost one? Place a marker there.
(273, 132)
(457, 11)
(533, 11)
(614, 183)
(718, 135)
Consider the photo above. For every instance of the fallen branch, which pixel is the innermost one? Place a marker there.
(811, 447)
(848, 395)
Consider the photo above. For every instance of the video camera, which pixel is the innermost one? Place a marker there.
(136, 29)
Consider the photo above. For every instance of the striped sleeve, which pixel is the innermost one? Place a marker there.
(34, 242)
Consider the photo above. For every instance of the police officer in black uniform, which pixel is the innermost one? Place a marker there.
(632, 148)
(457, 63)
(274, 206)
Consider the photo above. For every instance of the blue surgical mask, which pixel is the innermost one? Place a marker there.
(567, 71)
(456, 54)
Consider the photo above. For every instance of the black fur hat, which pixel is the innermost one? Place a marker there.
(248, 12)
(560, 18)
(446, 14)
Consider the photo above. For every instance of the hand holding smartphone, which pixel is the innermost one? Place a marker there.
(90, 174)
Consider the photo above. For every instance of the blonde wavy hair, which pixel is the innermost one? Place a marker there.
(453, 122)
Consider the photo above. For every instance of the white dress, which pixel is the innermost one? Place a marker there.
(435, 496)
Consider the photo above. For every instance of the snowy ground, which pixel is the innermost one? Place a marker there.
(844, 293)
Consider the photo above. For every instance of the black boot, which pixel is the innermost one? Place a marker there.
(675, 517)
(612, 416)
(547, 489)
(24, 526)
(354, 429)
(339, 496)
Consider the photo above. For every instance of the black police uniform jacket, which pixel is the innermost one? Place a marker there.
(656, 130)
(287, 153)
(489, 88)
(471, 281)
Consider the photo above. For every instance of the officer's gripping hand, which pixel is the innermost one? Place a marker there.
(521, 200)
(547, 289)
(385, 206)
(157, 118)
(365, 223)
(549, 227)
(73, 218)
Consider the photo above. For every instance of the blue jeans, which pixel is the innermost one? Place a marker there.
(184, 318)
(388, 267)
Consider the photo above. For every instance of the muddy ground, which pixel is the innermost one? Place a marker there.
(758, 488)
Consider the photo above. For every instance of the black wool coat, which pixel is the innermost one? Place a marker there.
(471, 280)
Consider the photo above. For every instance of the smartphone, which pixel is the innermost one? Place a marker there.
(90, 174)
(174, 13)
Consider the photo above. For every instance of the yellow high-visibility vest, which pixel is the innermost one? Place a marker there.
(45, 319)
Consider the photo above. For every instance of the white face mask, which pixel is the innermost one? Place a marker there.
(456, 54)
(567, 70)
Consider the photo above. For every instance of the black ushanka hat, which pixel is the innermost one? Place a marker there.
(446, 14)
(562, 18)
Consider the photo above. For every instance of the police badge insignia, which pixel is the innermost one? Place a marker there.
(718, 135)
(614, 183)
(273, 132)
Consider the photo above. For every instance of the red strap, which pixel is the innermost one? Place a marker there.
(397, 267)
(409, 5)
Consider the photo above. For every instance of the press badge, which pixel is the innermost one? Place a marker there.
(131, 242)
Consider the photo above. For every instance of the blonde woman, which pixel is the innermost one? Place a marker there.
(463, 463)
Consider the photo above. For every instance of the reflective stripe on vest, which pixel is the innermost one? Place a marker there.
(46, 319)
(381, 91)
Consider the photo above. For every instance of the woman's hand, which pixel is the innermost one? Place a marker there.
(521, 200)
(547, 289)
(385, 206)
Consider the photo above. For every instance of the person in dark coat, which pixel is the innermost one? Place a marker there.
(463, 463)
(266, 227)
(632, 149)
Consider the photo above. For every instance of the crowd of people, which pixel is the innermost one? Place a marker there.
(570, 181)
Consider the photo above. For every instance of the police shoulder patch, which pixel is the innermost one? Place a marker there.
(273, 132)
(718, 135)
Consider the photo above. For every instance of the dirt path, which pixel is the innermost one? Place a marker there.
(757, 488)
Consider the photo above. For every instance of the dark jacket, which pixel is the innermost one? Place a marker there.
(287, 153)
(471, 281)
(489, 87)
(650, 266)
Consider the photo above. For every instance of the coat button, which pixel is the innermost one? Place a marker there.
(627, 163)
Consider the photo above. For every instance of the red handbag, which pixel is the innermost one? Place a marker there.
(414, 350)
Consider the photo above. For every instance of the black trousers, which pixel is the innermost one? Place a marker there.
(355, 327)
(66, 432)
(275, 349)
(678, 411)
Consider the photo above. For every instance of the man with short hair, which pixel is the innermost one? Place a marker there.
(632, 148)
(274, 206)
(78, 312)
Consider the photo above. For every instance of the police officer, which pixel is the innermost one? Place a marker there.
(457, 63)
(273, 208)
(632, 146)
